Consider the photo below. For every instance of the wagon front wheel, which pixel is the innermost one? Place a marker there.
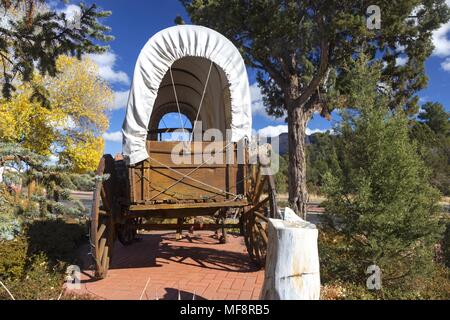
(255, 217)
(102, 231)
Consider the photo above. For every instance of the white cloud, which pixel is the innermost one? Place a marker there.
(400, 48)
(401, 61)
(257, 100)
(273, 131)
(258, 104)
(120, 99)
(106, 63)
(65, 124)
(446, 64)
(312, 131)
(71, 11)
(441, 40)
(115, 136)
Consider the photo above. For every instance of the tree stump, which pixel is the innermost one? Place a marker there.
(292, 263)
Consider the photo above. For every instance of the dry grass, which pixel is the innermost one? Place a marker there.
(283, 197)
(334, 291)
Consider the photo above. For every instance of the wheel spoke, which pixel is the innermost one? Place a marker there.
(256, 217)
(257, 206)
(259, 185)
(254, 241)
(101, 248)
(105, 260)
(102, 223)
(261, 216)
(262, 232)
(100, 232)
(105, 199)
(273, 197)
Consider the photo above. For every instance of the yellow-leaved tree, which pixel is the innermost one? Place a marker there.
(71, 127)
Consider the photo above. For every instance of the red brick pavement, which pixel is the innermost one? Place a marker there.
(197, 264)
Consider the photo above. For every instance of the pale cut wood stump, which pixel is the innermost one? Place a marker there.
(292, 265)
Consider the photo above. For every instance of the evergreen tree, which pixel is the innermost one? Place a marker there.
(49, 189)
(436, 118)
(33, 36)
(282, 177)
(432, 133)
(10, 224)
(321, 157)
(302, 49)
(382, 204)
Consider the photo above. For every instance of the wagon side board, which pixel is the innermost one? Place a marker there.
(203, 176)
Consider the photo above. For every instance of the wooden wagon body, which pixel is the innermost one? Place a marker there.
(183, 179)
(159, 184)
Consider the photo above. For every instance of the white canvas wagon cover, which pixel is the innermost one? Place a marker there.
(184, 47)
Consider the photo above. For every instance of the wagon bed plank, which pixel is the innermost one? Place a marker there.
(187, 205)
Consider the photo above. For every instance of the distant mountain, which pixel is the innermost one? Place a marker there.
(284, 143)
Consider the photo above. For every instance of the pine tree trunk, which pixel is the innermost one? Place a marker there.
(297, 122)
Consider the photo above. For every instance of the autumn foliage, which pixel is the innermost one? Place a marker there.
(70, 128)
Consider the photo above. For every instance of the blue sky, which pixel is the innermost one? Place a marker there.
(134, 22)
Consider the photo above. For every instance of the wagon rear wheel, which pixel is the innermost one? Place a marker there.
(102, 231)
(255, 217)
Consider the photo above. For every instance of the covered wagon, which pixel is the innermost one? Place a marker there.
(199, 76)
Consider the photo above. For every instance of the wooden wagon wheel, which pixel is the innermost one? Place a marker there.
(102, 233)
(255, 217)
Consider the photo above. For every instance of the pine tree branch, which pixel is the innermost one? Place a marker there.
(318, 77)
(4, 57)
(267, 67)
(83, 16)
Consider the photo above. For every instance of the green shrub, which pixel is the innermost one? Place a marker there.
(83, 182)
(58, 240)
(337, 276)
(10, 224)
(282, 175)
(381, 201)
(39, 282)
(335, 259)
(13, 258)
(33, 265)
